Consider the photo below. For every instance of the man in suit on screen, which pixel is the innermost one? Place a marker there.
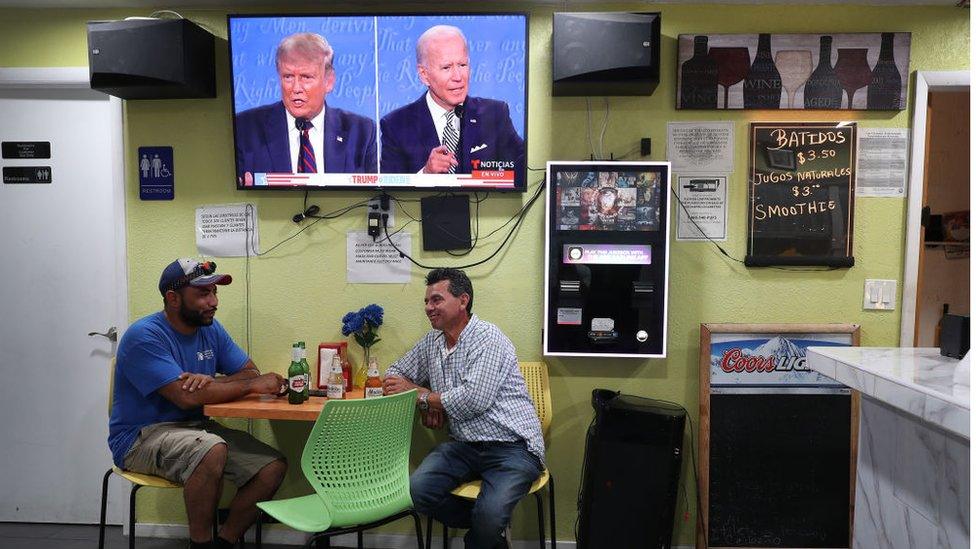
(445, 130)
(301, 133)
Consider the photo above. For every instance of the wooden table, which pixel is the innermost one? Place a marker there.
(264, 407)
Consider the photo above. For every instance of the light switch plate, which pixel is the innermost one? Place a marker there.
(879, 295)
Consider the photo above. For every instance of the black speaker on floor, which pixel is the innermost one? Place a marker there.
(630, 478)
(608, 53)
(151, 59)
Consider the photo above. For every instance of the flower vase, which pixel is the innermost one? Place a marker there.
(360, 378)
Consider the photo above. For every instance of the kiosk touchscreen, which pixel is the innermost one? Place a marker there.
(606, 259)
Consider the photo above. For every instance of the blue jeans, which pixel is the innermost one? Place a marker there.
(507, 470)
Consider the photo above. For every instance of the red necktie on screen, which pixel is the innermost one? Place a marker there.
(306, 154)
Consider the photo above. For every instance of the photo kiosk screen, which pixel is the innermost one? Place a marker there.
(343, 102)
(608, 200)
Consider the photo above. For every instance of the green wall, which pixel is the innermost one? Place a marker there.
(299, 291)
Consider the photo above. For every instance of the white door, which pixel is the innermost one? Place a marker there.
(62, 276)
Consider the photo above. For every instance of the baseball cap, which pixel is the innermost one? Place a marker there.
(190, 272)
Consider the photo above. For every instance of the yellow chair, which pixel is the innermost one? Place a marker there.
(536, 376)
(138, 481)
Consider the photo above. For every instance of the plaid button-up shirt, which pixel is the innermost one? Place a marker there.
(481, 386)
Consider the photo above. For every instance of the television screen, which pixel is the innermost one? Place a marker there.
(608, 200)
(379, 101)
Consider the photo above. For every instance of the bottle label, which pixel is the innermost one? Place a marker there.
(297, 383)
(334, 391)
(373, 392)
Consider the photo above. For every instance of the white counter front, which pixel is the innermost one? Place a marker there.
(913, 444)
(918, 381)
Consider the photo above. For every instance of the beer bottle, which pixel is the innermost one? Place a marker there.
(347, 375)
(305, 369)
(374, 385)
(296, 377)
(337, 385)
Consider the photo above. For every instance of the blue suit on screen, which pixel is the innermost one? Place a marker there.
(408, 135)
(261, 141)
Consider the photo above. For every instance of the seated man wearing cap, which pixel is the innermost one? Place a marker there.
(166, 370)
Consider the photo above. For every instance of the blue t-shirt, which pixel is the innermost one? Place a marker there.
(153, 354)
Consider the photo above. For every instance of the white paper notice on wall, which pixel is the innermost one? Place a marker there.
(701, 147)
(379, 262)
(227, 230)
(703, 211)
(882, 162)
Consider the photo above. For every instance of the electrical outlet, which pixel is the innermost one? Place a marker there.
(375, 206)
(879, 295)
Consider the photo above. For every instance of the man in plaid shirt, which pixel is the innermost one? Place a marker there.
(466, 373)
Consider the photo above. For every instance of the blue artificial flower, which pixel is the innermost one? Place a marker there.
(373, 314)
(352, 322)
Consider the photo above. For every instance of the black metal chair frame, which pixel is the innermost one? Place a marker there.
(551, 488)
(132, 516)
(321, 539)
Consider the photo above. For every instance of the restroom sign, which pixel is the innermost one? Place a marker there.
(156, 173)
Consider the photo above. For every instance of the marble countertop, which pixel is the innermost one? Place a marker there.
(918, 381)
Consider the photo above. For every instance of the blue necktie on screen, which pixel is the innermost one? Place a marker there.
(451, 137)
(306, 154)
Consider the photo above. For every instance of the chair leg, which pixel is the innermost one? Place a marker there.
(447, 538)
(132, 516)
(542, 520)
(552, 511)
(359, 539)
(101, 523)
(257, 529)
(420, 537)
(430, 530)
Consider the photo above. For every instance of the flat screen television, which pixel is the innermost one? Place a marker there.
(407, 102)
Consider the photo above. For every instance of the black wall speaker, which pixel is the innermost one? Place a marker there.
(151, 59)
(630, 478)
(610, 53)
(954, 336)
(446, 222)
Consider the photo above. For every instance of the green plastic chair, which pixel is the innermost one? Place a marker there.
(356, 458)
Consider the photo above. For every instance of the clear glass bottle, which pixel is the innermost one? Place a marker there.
(373, 384)
(336, 387)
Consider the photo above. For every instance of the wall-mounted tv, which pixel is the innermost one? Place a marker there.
(392, 102)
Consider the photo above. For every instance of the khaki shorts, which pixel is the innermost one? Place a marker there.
(173, 450)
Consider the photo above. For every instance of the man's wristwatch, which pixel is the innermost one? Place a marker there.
(422, 402)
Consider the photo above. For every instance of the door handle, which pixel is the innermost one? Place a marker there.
(112, 334)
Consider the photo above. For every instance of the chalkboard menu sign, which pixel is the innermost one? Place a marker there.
(801, 194)
(776, 440)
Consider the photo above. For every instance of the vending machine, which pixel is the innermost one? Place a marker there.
(607, 259)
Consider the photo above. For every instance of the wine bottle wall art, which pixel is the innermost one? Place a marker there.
(851, 71)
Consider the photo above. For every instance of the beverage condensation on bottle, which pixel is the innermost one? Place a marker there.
(336, 387)
(374, 385)
(296, 377)
(305, 369)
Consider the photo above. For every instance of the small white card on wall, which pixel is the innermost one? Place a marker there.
(882, 162)
(227, 230)
(379, 262)
(703, 210)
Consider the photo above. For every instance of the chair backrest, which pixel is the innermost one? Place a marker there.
(111, 385)
(536, 376)
(357, 457)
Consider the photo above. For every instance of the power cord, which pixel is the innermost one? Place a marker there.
(737, 260)
(519, 216)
